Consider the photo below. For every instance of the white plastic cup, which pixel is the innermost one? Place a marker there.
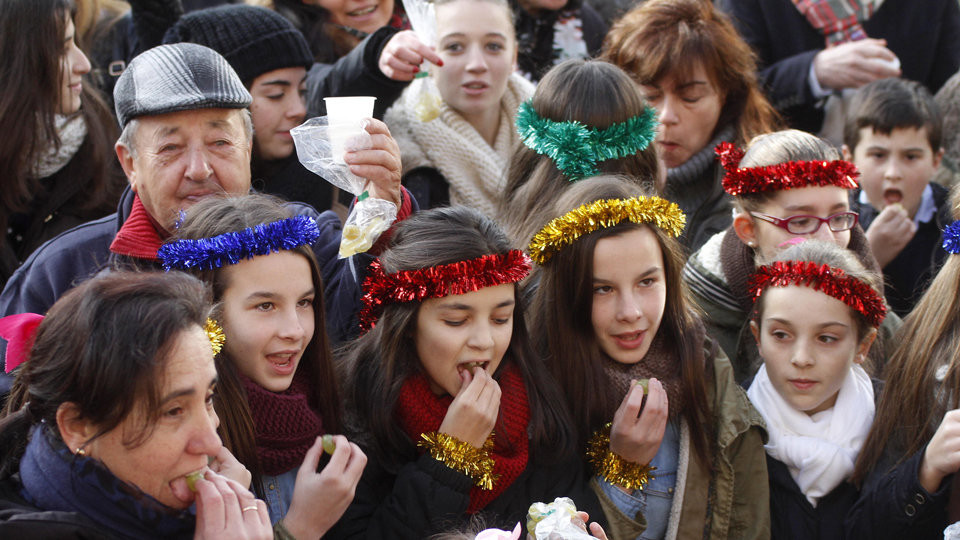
(343, 118)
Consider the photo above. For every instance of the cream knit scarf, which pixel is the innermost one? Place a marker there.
(819, 450)
(475, 172)
(72, 130)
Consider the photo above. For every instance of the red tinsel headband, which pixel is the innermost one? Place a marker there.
(830, 281)
(782, 176)
(460, 277)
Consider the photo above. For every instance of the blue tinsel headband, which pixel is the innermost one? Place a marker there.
(951, 238)
(576, 148)
(232, 247)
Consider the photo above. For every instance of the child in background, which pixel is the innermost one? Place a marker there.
(907, 465)
(817, 313)
(678, 455)
(788, 185)
(277, 390)
(892, 134)
(458, 152)
(457, 414)
(587, 117)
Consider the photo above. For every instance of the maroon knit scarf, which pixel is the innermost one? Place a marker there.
(422, 411)
(285, 423)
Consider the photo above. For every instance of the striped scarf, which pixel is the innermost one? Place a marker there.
(839, 21)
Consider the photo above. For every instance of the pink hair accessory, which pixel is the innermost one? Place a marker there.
(19, 331)
(499, 534)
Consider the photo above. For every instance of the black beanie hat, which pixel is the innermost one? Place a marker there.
(254, 40)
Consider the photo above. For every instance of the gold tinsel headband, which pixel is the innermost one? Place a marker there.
(566, 229)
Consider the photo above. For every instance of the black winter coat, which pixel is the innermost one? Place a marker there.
(893, 505)
(925, 36)
(426, 497)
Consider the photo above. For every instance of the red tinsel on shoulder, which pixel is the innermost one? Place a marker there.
(460, 277)
(830, 281)
(782, 176)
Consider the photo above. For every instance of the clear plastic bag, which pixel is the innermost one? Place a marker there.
(423, 19)
(952, 532)
(556, 521)
(370, 216)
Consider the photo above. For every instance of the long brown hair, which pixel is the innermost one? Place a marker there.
(377, 364)
(103, 346)
(595, 93)
(215, 216)
(661, 37)
(562, 310)
(917, 394)
(31, 49)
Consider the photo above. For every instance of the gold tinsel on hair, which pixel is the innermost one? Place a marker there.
(461, 456)
(613, 468)
(566, 229)
(215, 334)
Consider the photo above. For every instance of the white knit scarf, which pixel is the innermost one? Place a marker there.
(819, 450)
(475, 172)
(72, 130)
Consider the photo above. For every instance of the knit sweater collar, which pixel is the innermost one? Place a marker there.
(687, 179)
(140, 236)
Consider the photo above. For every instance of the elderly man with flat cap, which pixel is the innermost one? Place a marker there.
(187, 134)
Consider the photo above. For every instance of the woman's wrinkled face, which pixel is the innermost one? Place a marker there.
(476, 41)
(184, 434)
(73, 66)
(689, 108)
(464, 332)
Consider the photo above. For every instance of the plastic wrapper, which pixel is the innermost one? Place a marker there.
(423, 20)
(556, 521)
(369, 216)
(952, 532)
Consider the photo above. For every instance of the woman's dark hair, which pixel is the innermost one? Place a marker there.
(219, 215)
(562, 308)
(377, 364)
(595, 93)
(104, 346)
(661, 37)
(31, 51)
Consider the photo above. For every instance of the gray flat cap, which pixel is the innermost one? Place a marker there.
(178, 77)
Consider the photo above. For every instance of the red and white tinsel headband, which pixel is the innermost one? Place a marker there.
(782, 176)
(830, 281)
(460, 277)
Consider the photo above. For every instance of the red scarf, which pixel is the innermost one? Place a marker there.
(422, 411)
(138, 237)
(286, 424)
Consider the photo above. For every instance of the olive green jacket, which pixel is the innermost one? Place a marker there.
(733, 502)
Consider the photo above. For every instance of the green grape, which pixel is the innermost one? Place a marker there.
(328, 444)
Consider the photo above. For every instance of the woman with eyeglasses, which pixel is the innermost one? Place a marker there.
(789, 186)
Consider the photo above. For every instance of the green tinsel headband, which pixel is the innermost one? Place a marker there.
(576, 148)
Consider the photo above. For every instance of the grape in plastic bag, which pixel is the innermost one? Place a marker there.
(370, 216)
(556, 521)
